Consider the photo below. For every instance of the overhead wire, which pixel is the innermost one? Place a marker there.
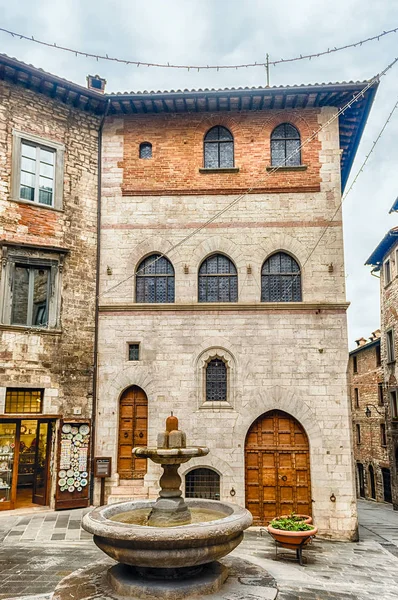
(167, 65)
(354, 99)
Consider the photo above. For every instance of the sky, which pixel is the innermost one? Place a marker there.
(235, 32)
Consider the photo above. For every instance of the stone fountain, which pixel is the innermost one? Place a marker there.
(168, 548)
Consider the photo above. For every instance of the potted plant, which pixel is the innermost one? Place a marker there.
(304, 518)
(291, 533)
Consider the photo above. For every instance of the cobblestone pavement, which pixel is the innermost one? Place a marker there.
(39, 549)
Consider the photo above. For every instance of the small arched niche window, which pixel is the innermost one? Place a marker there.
(218, 148)
(285, 146)
(202, 483)
(216, 381)
(155, 280)
(218, 280)
(280, 279)
(145, 150)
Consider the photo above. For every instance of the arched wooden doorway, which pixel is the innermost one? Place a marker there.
(133, 431)
(277, 462)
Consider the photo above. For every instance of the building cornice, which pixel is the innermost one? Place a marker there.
(293, 307)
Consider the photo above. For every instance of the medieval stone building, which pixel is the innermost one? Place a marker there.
(49, 132)
(367, 393)
(222, 294)
(384, 261)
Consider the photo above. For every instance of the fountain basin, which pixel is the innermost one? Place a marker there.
(177, 547)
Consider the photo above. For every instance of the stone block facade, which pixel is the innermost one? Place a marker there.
(367, 394)
(57, 358)
(289, 357)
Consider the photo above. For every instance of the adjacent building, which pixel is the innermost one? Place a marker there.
(384, 260)
(49, 132)
(222, 294)
(367, 393)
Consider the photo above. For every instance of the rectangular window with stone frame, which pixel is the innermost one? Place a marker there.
(390, 346)
(37, 170)
(31, 287)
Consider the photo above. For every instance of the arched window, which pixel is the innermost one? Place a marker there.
(218, 280)
(155, 280)
(145, 150)
(280, 279)
(285, 146)
(216, 380)
(218, 148)
(202, 483)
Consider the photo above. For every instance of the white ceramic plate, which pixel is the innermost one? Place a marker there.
(84, 429)
(66, 428)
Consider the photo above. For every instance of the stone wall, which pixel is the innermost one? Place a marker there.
(59, 360)
(370, 449)
(287, 357)
(389, 319)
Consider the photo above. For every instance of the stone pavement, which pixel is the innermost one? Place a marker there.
(38, 549)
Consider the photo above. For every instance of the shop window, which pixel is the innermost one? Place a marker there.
(134, 351)
(146, 150)
(281, 279)
(390, 346)
(218, 280)
(356, 395)
(358, 431)
(155, 280)
(383, 436)
(202, 483)
(216, 380)
(285, 146)
(38, 167)
(24, 401)
(30, 288)
(218, 148)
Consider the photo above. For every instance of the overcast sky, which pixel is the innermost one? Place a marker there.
(231, 32)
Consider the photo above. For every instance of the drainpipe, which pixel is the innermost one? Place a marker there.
(374, 271)
(96, 319)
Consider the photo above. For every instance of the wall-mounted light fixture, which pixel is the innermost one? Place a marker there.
(368, 412)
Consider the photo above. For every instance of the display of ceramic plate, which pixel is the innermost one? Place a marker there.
(79, 489)
(5, 449)
(84, 429)
(84, 474)
(76, 484)
(83, 482)
(77, 443)
(70, 481)
(76, 474)
(69, 472)
(69, 436)
(66, 428)
(62, 482)
(62, 474)
(64, 489)
(71, 488)
(74, 430)
(78, 436)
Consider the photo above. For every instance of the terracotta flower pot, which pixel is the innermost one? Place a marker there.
(305, 518)
(292, 539)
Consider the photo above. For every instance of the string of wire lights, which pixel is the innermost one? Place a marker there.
(263, 64)
(354, 99)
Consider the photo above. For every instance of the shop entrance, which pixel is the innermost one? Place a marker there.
(25, 448)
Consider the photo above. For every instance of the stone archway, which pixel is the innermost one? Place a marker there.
(277, 467)
(133, 431)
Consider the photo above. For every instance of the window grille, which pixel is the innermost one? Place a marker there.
(146, 150)
(285, 146)
(30, 296)
(134, 351)
(280, 279)
(155, 280)
(218, 148)
(24, 400)
(202, 483)
(216, 380)
(218, 280)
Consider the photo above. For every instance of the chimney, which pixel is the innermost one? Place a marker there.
(96, 83)
(376, 334)
(360, 342)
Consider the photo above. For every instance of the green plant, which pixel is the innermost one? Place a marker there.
(291, 524)
(295, 517)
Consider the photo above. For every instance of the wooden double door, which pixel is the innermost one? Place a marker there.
(277, 465)
(133, 431)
